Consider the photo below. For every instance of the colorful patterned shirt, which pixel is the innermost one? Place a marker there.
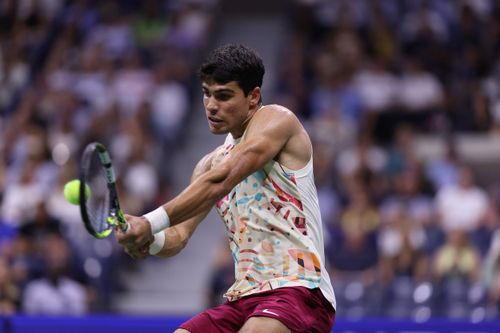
(274, 227)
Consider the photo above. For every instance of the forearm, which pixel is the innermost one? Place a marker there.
(197, 198)
(177, 237)
(174, 242)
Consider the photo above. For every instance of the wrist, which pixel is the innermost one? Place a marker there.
(158, 243)
(158, 219)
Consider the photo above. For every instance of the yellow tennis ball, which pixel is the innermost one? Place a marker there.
(72, 191)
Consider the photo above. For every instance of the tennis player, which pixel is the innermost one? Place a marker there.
(261, 183)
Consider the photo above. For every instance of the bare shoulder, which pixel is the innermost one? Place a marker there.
(279, 111)
(279, 126)
(276, 116)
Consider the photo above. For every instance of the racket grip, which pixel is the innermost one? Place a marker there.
(124, 226)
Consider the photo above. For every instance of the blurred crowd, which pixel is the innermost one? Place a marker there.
(73, 72)
(407, 236)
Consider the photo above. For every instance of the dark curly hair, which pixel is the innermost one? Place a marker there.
(233, 62)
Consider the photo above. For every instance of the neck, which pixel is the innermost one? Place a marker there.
(239, 133)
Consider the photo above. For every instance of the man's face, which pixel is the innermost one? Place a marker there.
(227, 107)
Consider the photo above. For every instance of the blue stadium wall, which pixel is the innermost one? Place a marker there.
(122, 324)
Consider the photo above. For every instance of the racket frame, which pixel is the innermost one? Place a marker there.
(115, 215)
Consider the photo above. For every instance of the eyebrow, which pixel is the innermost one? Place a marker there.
(219, 90)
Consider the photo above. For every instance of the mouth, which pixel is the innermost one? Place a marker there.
(214, 121)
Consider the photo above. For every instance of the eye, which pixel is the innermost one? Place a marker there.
(223, 96)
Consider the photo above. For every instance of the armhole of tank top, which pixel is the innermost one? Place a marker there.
(302, 172)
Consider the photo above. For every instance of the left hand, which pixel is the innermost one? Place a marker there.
(137, 254)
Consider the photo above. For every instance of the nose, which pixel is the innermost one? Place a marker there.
(211, 104)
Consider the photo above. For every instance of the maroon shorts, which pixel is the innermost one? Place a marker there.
(298, 308)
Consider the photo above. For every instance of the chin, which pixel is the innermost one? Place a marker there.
(217, 131)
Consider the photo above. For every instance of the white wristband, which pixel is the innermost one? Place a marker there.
(158, 219)
(157, 244)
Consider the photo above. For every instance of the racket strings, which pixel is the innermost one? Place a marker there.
(98, 203)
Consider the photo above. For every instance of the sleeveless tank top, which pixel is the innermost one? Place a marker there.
(273, 222)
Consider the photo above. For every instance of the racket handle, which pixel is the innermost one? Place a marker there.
(124, 226)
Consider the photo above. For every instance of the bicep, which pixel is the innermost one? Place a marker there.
(203, 166)
(263, 142)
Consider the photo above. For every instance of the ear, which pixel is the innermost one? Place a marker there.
(254, 97)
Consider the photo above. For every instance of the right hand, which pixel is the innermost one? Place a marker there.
(137, 238)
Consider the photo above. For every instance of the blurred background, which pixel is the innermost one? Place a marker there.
(400, 97)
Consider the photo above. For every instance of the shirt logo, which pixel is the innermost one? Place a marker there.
(270, 312)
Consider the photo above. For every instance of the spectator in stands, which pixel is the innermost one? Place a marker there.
(14, 72)
(408, 191)
(334, 97)
(461, 206)
(381, 41)
(10, 295)
(329, 201)
(456, 268)
(140, 178)
(8, 236)
(400, 243)
(37, 228)
(425, 24)
(489, 97)
(491, 272)
(113, 32)
(150, 26)
(222, 276)
(132, 84)
(420, 94)
(377, 87)
(169, 105)
(401, 153)
(21, 198)
(189, 27)
(443, 171)
(55, 293)
(91, 80)
(362, 164)
(353, 246)
(292, 88)
(457, 258)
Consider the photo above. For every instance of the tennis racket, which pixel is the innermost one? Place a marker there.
(99, 205)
